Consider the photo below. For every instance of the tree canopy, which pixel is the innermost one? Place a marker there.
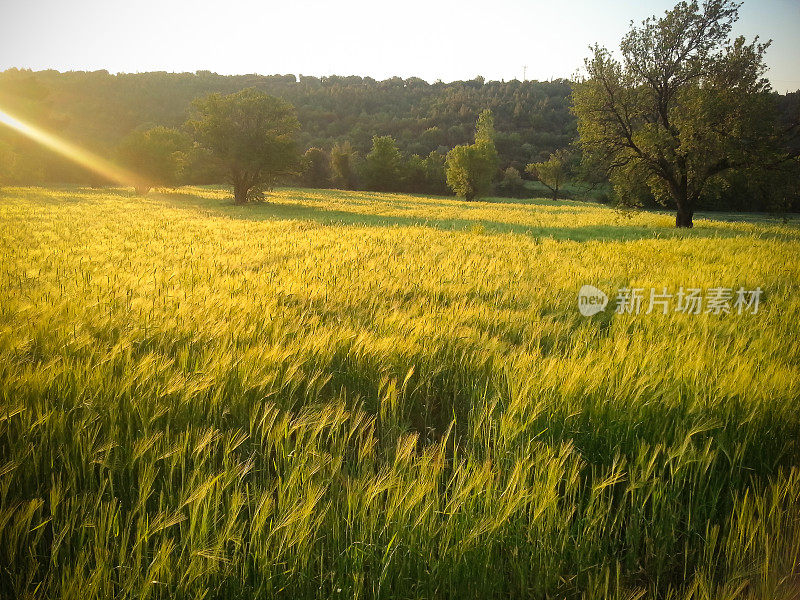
(470, 169)
(553, 172)
(250, 133)
(382, 165)
(316, 168)
(341, 115)
(343, 166)
(98, 109)
(684, 106)
(155, 156)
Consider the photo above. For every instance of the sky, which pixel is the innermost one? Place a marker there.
(445, 39)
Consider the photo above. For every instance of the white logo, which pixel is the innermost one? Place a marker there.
(719, 301)
(591, 300)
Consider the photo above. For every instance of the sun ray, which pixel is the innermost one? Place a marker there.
(73, 152)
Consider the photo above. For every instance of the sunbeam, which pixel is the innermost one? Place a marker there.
(69, 150)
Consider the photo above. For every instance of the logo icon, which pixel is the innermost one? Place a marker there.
(591, 300)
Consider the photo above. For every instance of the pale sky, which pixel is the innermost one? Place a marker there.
(447, 40)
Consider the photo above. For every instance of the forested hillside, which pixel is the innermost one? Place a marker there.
(532, 119)
(98, 109)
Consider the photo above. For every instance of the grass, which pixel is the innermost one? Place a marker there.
(354, 395)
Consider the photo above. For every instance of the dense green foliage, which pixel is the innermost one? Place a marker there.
(316, 168)
(250, 134)
(471, 169)
(425, 175)
(343, 165)
(98, 109)
(382, 166)
(553, 172)
(157, 156)
(363, 395)
(511, 184)
(683, 108)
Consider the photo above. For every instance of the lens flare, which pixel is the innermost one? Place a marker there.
(75, 153)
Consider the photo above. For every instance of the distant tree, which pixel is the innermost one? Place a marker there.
(413, 175)
(435, 175)
(512, 185)
(553, 172)
(156, 157)
(381, 169)
(424, 175)
(316, 168)
(470, 169)
(250, 133)
(343, 166)
(533, 118)
(484, 131)
(461, 162)
(685, 106)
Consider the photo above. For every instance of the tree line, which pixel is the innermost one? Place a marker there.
(684, 119)
(247, 138)
(398, 141)
(98, 110)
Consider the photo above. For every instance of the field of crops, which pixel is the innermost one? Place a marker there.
(355, 395)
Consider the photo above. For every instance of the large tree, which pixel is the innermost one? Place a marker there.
(470, 169)
(683, 107)
(250, 133)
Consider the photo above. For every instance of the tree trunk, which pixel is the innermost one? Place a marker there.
(683, 218)
(239, 193)
(684, 199)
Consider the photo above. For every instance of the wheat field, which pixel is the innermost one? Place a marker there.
(357, 395)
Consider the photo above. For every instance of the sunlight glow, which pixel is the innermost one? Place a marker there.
(75, 153)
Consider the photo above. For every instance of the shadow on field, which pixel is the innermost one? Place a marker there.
(306, 210)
